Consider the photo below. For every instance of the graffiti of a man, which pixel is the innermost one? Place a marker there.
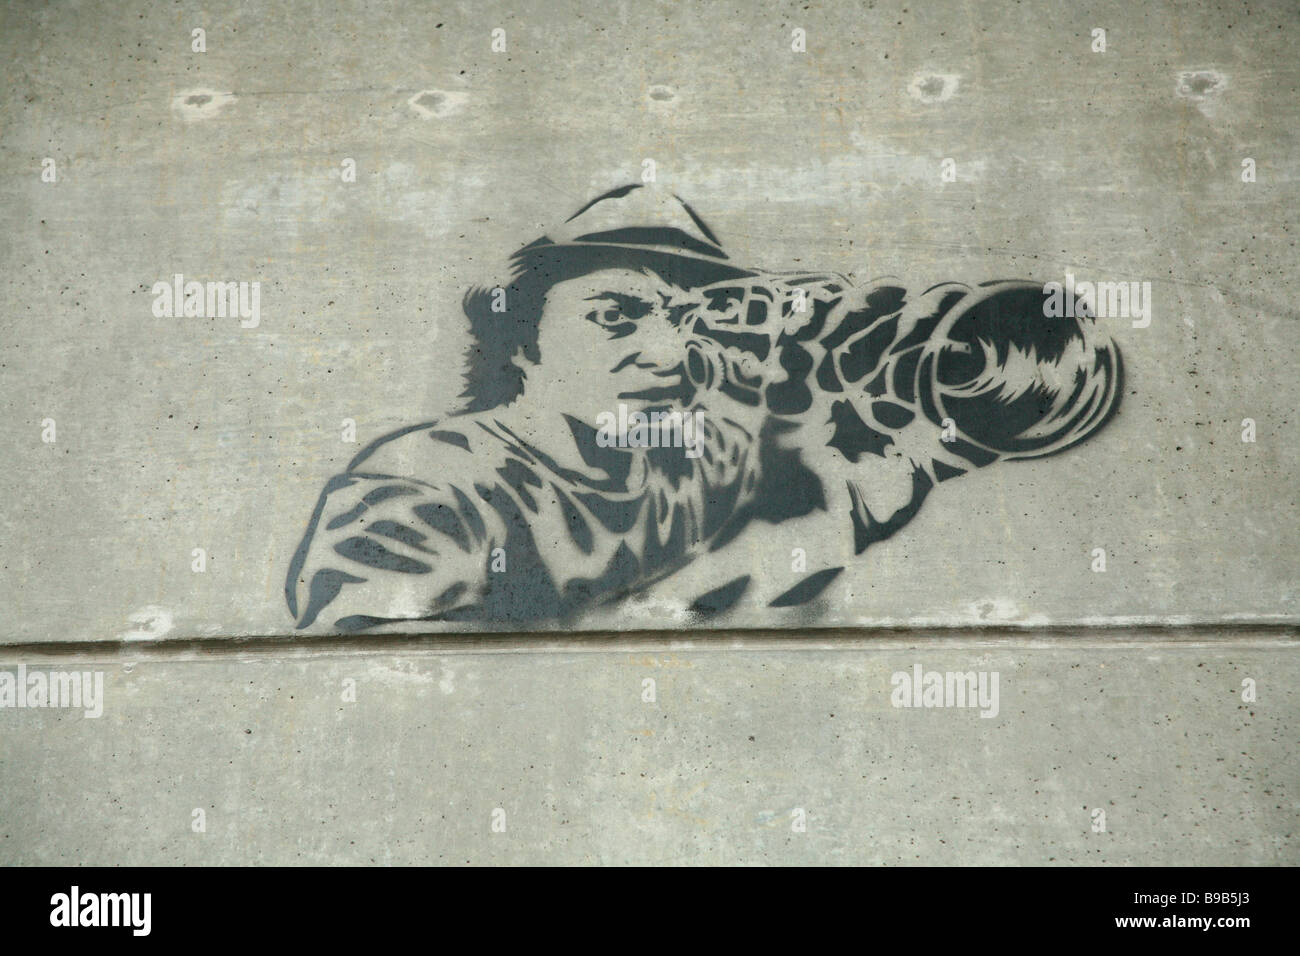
(798, 393)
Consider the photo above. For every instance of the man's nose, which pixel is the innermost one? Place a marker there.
(681, 313)
(659, 340)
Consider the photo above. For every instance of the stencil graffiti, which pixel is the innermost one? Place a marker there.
(636, 402)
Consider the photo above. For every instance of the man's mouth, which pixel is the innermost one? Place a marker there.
(630, 360)
(680, 389)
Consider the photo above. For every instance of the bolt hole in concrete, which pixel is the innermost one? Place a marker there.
(200, 104)
(437, 104)
(1201, 83)
(933, 87)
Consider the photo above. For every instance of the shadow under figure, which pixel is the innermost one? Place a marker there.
(741, 397)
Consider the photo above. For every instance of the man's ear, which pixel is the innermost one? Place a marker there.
(513, 376)
(526, 356)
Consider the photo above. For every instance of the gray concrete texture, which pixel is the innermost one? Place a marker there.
(775, 754)
(1121, 690)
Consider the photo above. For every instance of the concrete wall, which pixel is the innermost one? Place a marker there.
(129, 158)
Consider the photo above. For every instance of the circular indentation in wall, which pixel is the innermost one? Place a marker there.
(149, 623)
(1198, 84)
(933, 87)
(437, 104)
(200, 104)
(662, 95)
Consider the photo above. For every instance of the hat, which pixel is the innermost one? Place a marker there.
(640, 224)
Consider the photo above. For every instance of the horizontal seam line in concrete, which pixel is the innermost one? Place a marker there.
(1270, 635)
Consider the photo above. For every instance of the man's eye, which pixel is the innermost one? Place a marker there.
(614, 309)
(607, 316)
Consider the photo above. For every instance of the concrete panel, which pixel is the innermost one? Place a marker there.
(741, 735)
(177, 434)
(265, 529)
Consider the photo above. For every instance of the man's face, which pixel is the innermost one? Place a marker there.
(612, 336)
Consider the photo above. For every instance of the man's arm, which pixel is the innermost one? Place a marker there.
(385, 547)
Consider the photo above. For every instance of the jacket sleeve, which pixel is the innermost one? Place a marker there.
(380, 548)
